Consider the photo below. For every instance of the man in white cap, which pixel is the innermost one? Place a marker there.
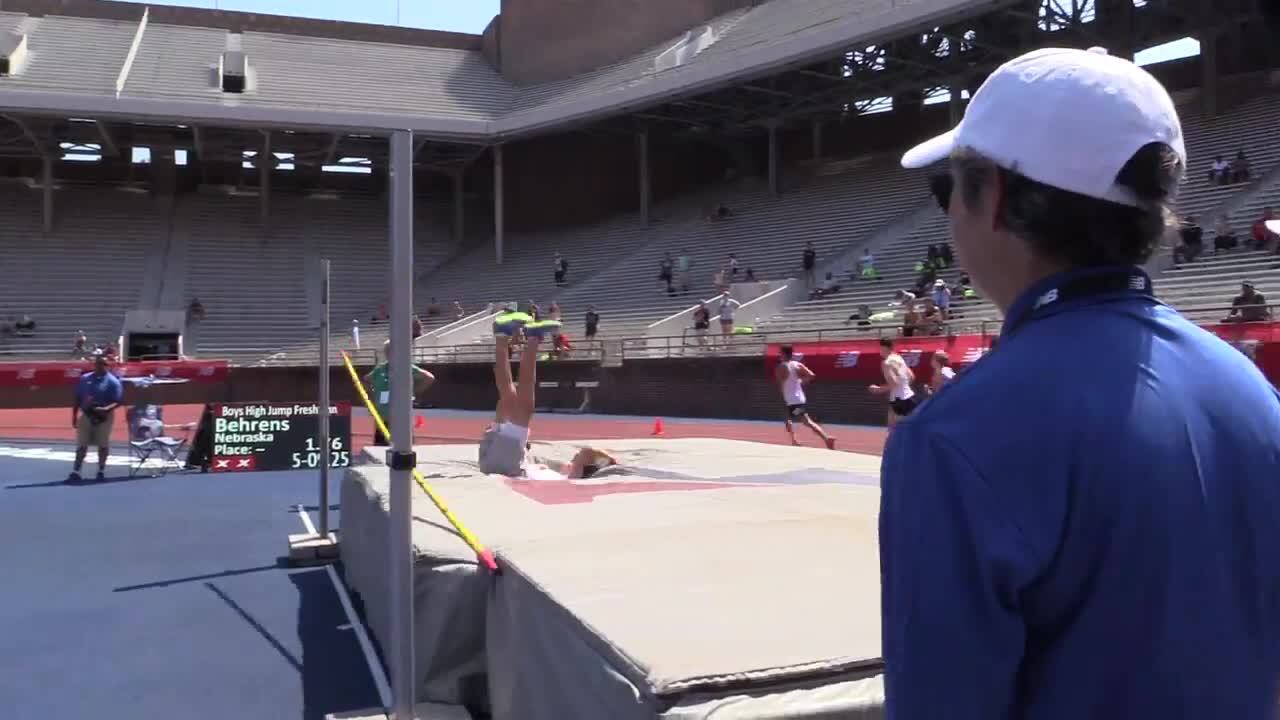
(1084, 523)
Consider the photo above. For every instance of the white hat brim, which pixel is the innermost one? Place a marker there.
(930, 151)
(1273, 226)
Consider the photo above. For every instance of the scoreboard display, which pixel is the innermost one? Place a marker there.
(277, 436)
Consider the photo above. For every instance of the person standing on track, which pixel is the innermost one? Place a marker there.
(98, 394)
(380, 388)
(1083, 524)
(898, 378)
(791, 376)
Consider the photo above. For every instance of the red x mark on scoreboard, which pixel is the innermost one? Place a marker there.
(234, 463)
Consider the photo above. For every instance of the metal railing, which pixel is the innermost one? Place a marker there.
(689, 343)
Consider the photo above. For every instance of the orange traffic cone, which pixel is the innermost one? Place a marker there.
(657, 427)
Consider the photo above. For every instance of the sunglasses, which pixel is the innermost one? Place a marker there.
(940, 186)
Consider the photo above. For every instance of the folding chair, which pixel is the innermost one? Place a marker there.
(147, 440)
(166, 448)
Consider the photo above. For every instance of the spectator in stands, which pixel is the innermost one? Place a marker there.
(415, 327)
(948, 257)
(1224, 238)
(433, 308)
(1261, 235)
(1192, 241)
(592, 321)
(666, 268)
(809, 263)
(561, 270)
(80, 349)
(941, 297)
(98, 394)
(1153, 444)
(1220, 171)
(910, 319)
(861, 315)
(458, 311)
(829, 286)
(1240, 170)
(932, 256)
(1249, 306)
(726, 310)
(195, 311)
(684, 266)
(720, 281)
(930, 321)
(553, 312)
(701, 322)
(25, 327)
(561, 346)
(867, 265)
(731, 267)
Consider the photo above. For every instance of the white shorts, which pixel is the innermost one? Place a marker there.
(502, 449)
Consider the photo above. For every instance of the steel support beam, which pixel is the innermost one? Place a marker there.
(459, 207)
(46, 180)
(642, 161)
(400, 513)
(266, 165)
(499, 205)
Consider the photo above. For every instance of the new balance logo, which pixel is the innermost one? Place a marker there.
(1137, 282)
(847, 359)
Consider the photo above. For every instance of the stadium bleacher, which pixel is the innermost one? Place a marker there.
(1249, 126)
(85, 275)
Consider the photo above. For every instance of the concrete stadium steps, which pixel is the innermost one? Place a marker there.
(1213, 280)
(767, 235)
(527, 269)
(85, 275)
(251, 283)
(1250, 126)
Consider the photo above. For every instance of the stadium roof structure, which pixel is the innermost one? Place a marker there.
(140, 70)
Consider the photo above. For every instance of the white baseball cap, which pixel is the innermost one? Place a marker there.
(1067, 118)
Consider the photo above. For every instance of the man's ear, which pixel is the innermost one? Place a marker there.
(993, 199)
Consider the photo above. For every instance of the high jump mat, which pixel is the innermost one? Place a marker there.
(700, 578)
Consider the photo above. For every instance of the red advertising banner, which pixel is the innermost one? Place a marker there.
(859, 360)
(43, 374)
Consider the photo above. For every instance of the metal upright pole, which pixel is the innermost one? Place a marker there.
(400, 458)
(324, 398)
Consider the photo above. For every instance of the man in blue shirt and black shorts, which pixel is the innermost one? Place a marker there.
(98, 394)
(1085, 523)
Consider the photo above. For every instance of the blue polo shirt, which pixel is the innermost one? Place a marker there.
(1086, 524)
(94, 390)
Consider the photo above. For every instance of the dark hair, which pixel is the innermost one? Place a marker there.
(1079, 230)
(886, 342)
(786, 351)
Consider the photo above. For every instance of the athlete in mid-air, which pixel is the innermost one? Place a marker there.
(505, 443)
(791, 376)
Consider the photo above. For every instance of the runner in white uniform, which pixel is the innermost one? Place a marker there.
(791, 376)
(898, 378)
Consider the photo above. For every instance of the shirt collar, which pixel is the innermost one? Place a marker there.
(1027, 300)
